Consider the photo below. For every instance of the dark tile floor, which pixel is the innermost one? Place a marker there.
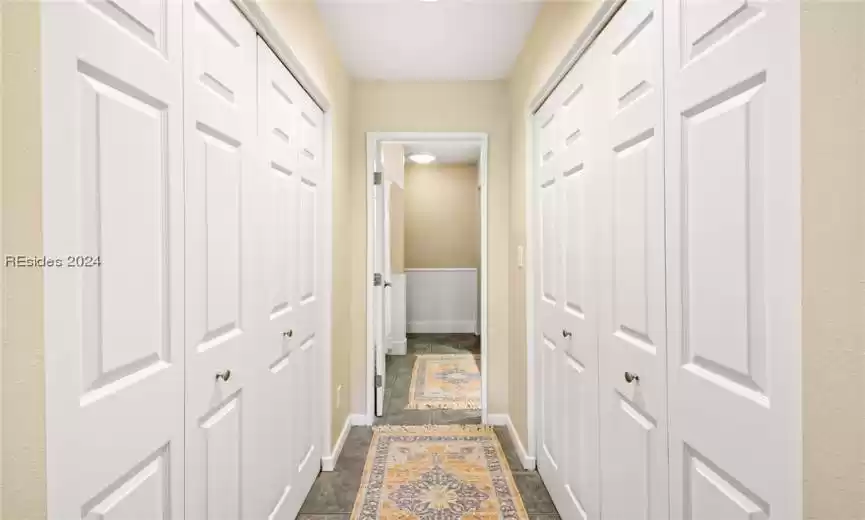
(333, 494)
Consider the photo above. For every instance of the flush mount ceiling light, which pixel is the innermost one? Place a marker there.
(422, 158)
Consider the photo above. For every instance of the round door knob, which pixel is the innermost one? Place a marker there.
(288, 333)
(223, 375)
(630, 377)
(566, 333)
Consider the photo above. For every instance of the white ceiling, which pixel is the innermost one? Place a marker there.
(444, 40)
(447, 152)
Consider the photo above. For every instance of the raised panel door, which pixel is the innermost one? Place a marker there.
(633, 347)
(733, 259)
(113, 215)
(221, 200)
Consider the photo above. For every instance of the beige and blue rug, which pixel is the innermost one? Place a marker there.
(455, 472)
(445, 381)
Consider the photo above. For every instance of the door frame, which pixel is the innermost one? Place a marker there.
(283, 51)
(373, 139)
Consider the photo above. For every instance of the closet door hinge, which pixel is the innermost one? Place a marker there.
(376, 178)
(378, 381)
(376, 280)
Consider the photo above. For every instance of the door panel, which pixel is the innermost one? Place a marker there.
(633, 327)
(733, 259)
(566, 301)
(222, 431)
(291, 167)
(220, 197)
(113, 197)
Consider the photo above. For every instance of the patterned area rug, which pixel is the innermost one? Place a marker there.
(447, 381)
(454, 472)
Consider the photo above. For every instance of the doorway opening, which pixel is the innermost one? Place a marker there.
(427, 266)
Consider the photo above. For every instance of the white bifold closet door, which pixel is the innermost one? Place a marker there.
(733, 259)
(632, 330)
(112, 181)
(566, 191)
(291, 407)
(667, 231)
(183, 174)
(221, 259)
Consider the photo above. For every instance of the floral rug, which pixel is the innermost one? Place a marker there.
(454, 472)
(447, 381)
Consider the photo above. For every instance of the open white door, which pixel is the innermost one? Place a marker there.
(380, 346)
(387, 275)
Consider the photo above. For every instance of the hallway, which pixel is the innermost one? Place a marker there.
(448, 259)
(334, 493)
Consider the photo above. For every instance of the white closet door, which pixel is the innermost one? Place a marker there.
(220, 105)
(113, 194)
(633, 341)
(733, 227)
(567, 342)
(290, 132)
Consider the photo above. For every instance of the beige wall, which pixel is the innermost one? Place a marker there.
(396, 208)
(443, 217)
(833, 204)
(557, 27)
(479, 106)
(2, 255)
(23, 368)
(300, 25)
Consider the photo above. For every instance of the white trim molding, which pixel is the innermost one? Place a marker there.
(328, 462)
(503, 419)
(360, 419)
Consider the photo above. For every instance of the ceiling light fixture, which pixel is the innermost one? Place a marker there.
(422, 158)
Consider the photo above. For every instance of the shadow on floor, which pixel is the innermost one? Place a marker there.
(334, 493)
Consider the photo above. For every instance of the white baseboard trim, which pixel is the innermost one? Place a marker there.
(328, 462)
(359, 419)
(439, 327)
(503, 419)
(399, 347)
(498, 419)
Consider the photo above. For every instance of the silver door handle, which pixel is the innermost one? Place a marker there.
(630, 377)
(387, 284)
(566, 333)
(223, 375)
(287, 334)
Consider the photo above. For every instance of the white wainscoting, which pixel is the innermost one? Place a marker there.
(442, 300)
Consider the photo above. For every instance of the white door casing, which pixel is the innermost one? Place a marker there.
(733, 259)
(568, 454)
(291, 136)
(220, 135)
(632, 339)
(112, 189)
